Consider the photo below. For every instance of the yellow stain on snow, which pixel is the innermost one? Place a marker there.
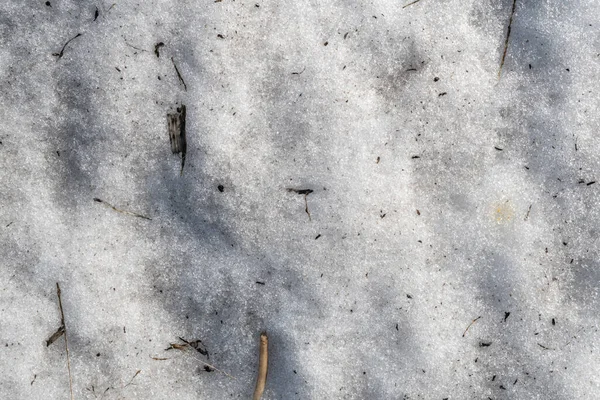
(504, 212)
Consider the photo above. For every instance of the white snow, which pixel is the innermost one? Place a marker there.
(441, 194)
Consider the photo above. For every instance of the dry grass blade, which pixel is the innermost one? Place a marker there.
(512, 13)
(136, 374)
(263, 366)
(472, 322)
(64, 329)
(97, 200)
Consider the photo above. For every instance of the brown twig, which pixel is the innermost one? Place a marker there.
(512, 13)
(97, 200)
(472, 322)
(64, 328)
(263, 364)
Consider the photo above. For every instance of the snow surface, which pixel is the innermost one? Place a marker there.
(440, 194)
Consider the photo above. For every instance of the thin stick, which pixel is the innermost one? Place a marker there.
(179, 76)
(97, 200)
(514, 6)
(62, 321)
(306, 207)
(472, 322)
(133, 47)
(62, 51)
(411, 3)
(263, 364)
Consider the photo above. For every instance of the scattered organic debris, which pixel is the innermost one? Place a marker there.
(512, 13)
(498, 148)
(96, 14)
(157, 46)
(34, 376)
(62, 330)
(97, 200)
(305, 192)
(196, 345)
(179, 75)
(62, 51)
(485, 344)
(506, 315)
(176, 127)
(472, 322)
(411, 3)
(263, 364)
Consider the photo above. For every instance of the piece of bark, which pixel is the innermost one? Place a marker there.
(176, 127)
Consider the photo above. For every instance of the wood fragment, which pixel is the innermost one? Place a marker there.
(512, 13)
(157, 47)
(59, 332)
(305, 192)
(62, 51)
(34, 377)
(97, 200)
(528, 211)
(179, 75)
(411, 3)
(472, 322)
(176, 128)
(263, 364)
(64, 328)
